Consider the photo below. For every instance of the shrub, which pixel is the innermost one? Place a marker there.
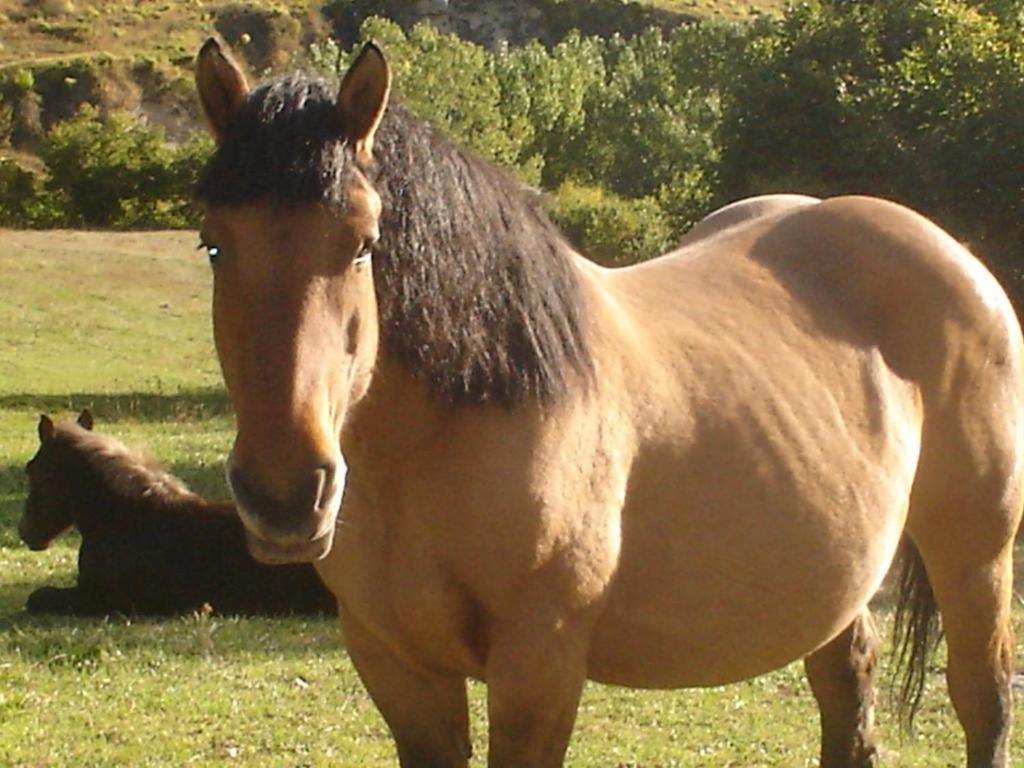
(917, 100)
(114, 172)
(450, 82)
(20, 114)
(543, 99)
(609, 229)
(649, 128)
(6, 123)
(17, 189)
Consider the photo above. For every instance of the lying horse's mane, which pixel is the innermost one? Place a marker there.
(131, 476)
(476, 290)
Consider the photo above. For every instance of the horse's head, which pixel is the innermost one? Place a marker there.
(289, 222)
(49, 504)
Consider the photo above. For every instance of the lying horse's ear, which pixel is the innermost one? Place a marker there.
(85, 420)
(362, 99)
(222, 86)
(46, 428)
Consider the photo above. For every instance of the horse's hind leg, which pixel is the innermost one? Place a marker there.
(975, 602)
(964, 512)
(842, 675)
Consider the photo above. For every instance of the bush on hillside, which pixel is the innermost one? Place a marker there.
(6, 123)
(17, 189)
(107, 172)
(649, 130)
(609, 229)
(21, 107)
(452, 83)
(543, 99)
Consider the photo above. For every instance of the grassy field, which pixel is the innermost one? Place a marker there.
(120, 323)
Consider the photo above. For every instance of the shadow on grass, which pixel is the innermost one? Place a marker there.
(188, 405)
(88, 642)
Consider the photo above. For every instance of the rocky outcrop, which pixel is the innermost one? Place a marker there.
(490, 22)
(37, 92)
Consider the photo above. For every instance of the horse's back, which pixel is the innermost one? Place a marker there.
(860, 270)
(743, 211)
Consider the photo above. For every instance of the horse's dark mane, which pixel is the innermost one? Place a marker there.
(476, 290)
(282, 145)
(132, 478)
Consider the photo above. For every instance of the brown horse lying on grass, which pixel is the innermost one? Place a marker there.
(149, 545)
(513, 465)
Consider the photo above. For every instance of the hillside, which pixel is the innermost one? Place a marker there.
(136, 56)
(40, 29)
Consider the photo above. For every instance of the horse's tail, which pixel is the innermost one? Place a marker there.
(916, 633)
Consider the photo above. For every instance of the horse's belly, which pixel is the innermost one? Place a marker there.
(707, 649)
(717, 627)
(745, 579)
(762, 514)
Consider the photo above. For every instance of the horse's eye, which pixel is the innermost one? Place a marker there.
(212, 251)
(365, 252)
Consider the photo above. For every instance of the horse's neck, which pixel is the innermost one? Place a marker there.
(94, 505)
(395, 418)
(101, 505)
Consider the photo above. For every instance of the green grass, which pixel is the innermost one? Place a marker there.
(120, 323)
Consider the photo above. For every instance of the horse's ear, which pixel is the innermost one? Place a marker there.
(221, 84)
(362, 99)
(85, 420)
(46, 428)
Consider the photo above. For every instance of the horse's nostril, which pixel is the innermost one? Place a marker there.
(326, 488)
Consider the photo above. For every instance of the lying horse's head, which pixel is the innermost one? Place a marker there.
(289, 222)
(49, 505)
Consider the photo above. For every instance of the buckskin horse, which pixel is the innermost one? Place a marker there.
(514, 465)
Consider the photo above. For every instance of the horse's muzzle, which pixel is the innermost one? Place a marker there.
(272, 553)
(297, 528)
(33, 540)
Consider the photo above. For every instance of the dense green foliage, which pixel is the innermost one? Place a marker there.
(109, 172)
(616, 230)
(917, 100)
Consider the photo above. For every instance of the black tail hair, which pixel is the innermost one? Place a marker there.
(916, 633)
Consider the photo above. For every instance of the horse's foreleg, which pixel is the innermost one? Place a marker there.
(427, 714)
(842, 675)
(535, 675)
(975, 605)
